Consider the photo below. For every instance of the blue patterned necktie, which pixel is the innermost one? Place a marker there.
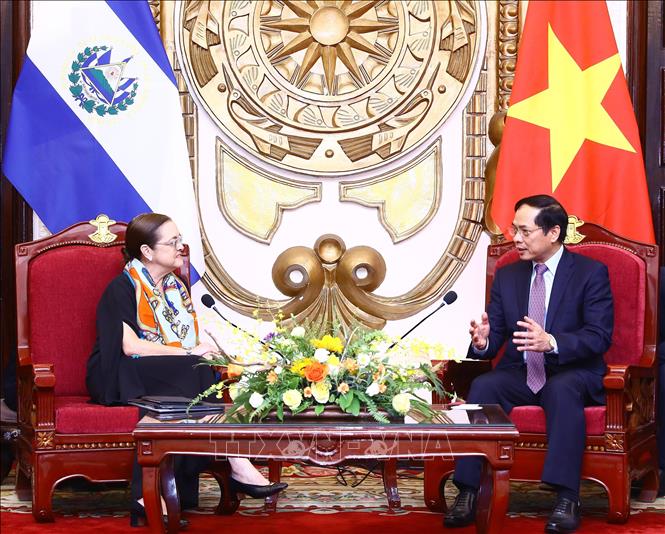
(535, 361)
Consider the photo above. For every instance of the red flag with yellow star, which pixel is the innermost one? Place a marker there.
(570, 129)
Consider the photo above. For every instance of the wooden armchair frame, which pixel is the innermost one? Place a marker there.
(626, 450)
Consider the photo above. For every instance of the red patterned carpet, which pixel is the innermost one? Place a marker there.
(317, 501)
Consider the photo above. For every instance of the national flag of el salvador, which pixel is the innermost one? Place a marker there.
(96, 124)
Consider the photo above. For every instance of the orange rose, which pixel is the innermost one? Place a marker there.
(315, 371)
(233, 370)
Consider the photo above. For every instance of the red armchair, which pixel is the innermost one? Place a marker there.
(59, 281)
(621, 436)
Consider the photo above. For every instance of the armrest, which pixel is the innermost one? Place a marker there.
(630, 396)
(36, 396)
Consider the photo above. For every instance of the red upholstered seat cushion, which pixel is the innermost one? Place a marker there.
(64, 287)
(75, 415)
(531, 419)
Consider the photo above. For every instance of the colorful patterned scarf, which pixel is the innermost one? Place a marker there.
(164, 315)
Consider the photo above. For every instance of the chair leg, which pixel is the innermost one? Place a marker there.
(650, 483)
(42, 491)
(618, 494)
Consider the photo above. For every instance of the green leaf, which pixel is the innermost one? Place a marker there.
(355, 407)
(74, 78)
(81, 58)
(95, 48)
(129, 101)
(76, 90)
(113, 111)
(319, 409)
(76, 66)
(101, 110)
(121, 107)
(280, 411)
(89, 105)
(87, 51)
(346, 400)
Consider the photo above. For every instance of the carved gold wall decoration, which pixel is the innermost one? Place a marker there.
(253, 201)
(327, 88)
(406, 200)
(509, 29)
(346, 112)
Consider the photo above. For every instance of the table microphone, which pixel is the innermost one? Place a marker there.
(448, 298)
(209, 302)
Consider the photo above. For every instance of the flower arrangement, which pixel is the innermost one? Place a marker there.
(296, 370)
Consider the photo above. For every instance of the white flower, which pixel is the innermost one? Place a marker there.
(363, 359)
(402, 403)
(321, 392)
(278, 370)
(292, 398)
(298, 331)
(321, 355)
(373, 389)
(286, 343)
(255, 400)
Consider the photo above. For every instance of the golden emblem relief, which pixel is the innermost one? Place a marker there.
(304, 91)
(328, 87)
(102, 234)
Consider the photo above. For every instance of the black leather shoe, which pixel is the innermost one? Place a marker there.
(565, 517)
(256, 491)
(463, 512)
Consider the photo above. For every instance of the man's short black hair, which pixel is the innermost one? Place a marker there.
(551, 213)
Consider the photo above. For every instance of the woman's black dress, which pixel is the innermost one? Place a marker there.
(113, 378)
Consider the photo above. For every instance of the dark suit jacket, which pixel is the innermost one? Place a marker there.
(580, 314)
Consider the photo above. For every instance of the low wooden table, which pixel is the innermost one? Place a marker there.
(325, 441)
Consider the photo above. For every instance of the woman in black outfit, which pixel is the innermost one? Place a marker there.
(147, 344)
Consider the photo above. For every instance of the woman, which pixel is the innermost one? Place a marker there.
(147, 344)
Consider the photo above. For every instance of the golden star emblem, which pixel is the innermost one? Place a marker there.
(571, 107)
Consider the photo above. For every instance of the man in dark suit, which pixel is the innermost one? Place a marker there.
(553, 311)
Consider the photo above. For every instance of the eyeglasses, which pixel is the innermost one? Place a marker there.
(173, 243)
(524, 232)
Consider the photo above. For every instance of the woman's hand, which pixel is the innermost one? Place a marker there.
(204, 349)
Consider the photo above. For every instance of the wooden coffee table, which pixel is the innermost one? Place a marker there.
(326, 441)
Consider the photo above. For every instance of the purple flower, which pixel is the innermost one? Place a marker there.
(269, 337)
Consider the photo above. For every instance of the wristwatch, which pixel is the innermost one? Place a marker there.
(550, 337)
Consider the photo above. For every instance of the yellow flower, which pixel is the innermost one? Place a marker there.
(382, 388)
(292, 398)
(333, 361)
(299, 366)
(333, 344)
(401, 403)
(321, 392)
(272, 377)
(350, 365)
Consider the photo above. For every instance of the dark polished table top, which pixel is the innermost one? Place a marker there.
(483, 417)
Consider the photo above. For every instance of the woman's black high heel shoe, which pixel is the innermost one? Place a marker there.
(254, 490)
(137, 517)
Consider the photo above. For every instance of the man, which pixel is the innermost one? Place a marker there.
(553, 310)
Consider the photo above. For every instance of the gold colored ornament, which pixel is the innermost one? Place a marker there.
(326, 88)
(102, 234)
(572, 235)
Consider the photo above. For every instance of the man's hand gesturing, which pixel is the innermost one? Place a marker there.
(480, 332)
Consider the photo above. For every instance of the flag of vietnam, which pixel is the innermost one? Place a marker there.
(570, 130)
